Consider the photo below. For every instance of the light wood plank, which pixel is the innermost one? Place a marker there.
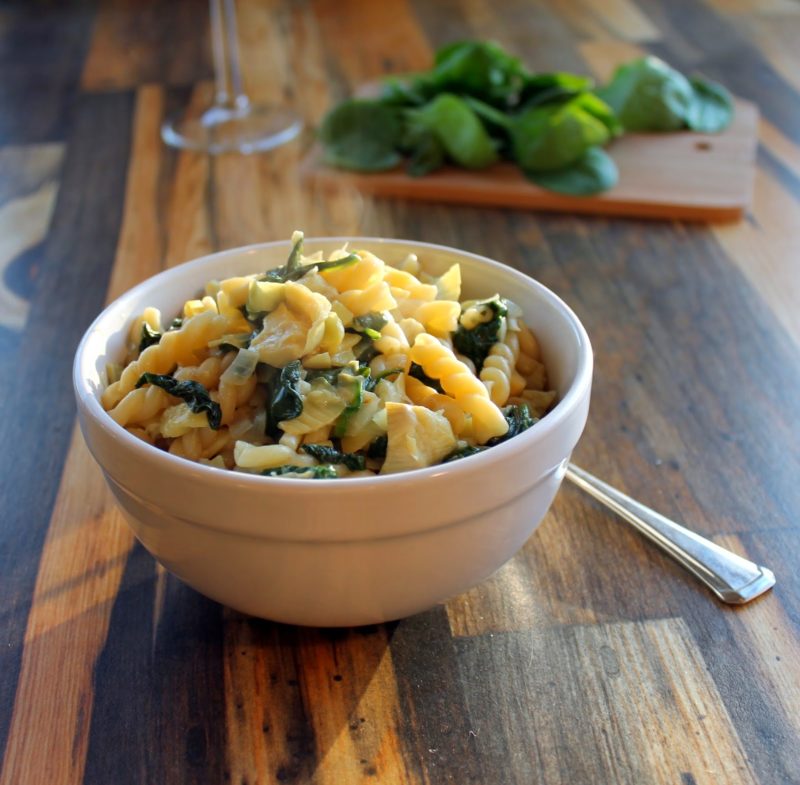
(766, 250)
(627, 703)
(351, 695)
(601, 19)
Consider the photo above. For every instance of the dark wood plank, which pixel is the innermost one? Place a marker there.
(140, 41)
(165, 639)
(42, 47)
(74, 268)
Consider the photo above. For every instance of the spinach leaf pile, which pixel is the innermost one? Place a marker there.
(479, 104)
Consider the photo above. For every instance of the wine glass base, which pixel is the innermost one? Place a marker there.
(249, 129)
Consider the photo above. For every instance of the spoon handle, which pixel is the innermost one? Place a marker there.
(733, 579)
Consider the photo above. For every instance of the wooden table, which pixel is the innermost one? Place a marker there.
(590, 657)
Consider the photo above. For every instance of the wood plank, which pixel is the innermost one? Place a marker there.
(395, 43)
(66, 298)
(615, 20)
(42, 48)
(29, 177)
(79, 574)
(139, 41)
(762, 250)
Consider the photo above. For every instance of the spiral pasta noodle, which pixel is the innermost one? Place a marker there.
(337, 366)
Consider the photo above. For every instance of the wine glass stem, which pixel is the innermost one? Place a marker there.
(225, 51)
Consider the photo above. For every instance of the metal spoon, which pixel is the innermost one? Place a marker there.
(733, 579)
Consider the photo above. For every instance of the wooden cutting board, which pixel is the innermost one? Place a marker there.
(682, 175)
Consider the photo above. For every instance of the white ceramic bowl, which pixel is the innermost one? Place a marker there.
(347, 552)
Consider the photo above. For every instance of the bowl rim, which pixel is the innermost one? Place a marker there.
(89, 403)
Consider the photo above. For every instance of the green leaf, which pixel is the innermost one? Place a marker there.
(462, 452)
(593, 173)
(553, 136)
(649, 95)
(325, 454)
(149, 337)
(425, 152)
(286, 403)
(711, 110)
(356, 382)
(462, 135)
(372, 381)
(482, 69)
(518, 418)
(416, 372)
(193, 393)
(362, 135)
(321, 472)
(476, 341)
(284, 272)
(545, 88)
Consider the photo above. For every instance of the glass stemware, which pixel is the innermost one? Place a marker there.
(233, 123)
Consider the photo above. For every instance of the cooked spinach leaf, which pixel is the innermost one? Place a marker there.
(370, 324)
(362, 135)
(377, 448)
(195, 395)
(476, 340)
(321, 472)
(284, 272)
(462, 452)
(372, 381)
(356, 382)
(591, 174)
(326, 454)
(417, 372)
(285, 402)
(518, 418)
(175, 324)
(149, 337)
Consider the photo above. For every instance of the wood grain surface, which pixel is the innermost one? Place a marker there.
(588, 659)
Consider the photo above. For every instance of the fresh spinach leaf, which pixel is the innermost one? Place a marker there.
(459, 130)
(591, 174)
(425, 151)
(553, 136)
(482, 69)
(476, 341)
(193, 393)
(711, 110)
(321, 472)
(648, 95)
(149, 337)
(326, 454)
(545, 88)
(362, 135)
